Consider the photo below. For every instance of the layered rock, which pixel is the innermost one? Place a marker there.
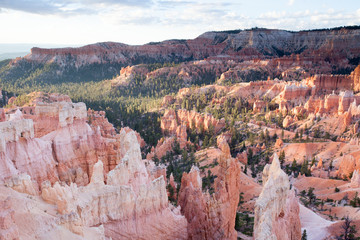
(211, 216)
(49, 112)
(326, 83)
(163, 146)
(259, 106)
(314, 105)
(295, 92)
(21, 152)
(332, 103)
(68, 146)
(169, 125)
(97, 119)
(130, 204)
(196, 120)
(306, 47)
(169, 121)
(191, 119)
(175, 124)
(78, 146)
(49, 117)
(355, 76)
(127, 74)
(12, 131)
(276, 209)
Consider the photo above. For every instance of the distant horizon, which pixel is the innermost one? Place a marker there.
(28, 45)
(85, 22)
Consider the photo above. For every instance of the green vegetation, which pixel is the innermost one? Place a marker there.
(349, 230)
(178, 161)
(304, 235)
(309, 198)
(244, 223)
(130, 105)
(207, 182)
(355, 202)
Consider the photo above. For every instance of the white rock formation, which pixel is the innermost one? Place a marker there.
(65, 112)
(277, 209)
(355, 179)
(129, 199)
(11, 131)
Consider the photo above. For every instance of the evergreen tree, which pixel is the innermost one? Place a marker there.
(305, 168)
(311, 195)
(331, 165)
(349, 230)
(282, 158)
(313, 161)
(249, 156)
(294, 166)
(355, 202)
(296, 135)
(304, 235)
(253, 173)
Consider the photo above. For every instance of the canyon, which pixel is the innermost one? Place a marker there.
(244, 134)
(78, 171)
(241, 44)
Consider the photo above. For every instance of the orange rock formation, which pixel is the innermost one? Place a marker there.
(204, 211)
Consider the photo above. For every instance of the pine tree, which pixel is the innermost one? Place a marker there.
(331, 165)
(311, 195)
(294, 166)
(296, 135)
(305, 169)
(282, 158)
(349, 230)
(304, 235)
(355, 202)
(253, 174)
(313, 161)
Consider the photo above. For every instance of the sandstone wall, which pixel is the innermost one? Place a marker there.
(130, 205)
(211, 216)
(326, 83)
(12, 131)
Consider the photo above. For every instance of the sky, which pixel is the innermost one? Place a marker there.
(81, 22)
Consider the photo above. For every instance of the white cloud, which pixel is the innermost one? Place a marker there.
(138, 22)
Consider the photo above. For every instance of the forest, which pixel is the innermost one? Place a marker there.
(131, 105)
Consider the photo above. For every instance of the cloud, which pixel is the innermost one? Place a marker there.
(291, 2)
(39, 7)
(68, 7)
(169, 3)
(206, 15)
(137, 3)
(306, 19)
(169, 13)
